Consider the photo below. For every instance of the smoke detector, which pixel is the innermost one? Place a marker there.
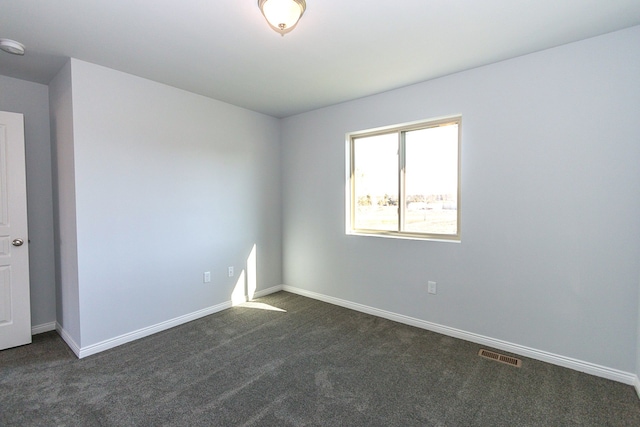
(12, 46)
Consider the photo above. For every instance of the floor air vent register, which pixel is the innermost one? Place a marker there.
(507, 360)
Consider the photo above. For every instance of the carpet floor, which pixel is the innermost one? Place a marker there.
(287, 360)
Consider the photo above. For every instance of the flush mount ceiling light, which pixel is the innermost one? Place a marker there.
(12, 46)
(282, 15)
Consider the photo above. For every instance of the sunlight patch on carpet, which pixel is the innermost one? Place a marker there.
(260, 306)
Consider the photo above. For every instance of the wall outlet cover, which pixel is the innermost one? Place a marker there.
(431, 287)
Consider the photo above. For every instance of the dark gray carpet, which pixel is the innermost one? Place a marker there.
(314, 365)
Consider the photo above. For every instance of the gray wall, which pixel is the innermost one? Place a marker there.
(550, 204)
(32, 100)
(64, 189)
(168, 185)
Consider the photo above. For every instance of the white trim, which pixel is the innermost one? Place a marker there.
(150, 330)
(555, 359)
(265, 292)
(636, 384)
(45, 327)
(67, 338)
(256, 294)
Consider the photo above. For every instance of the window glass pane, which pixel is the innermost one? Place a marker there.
(376, 182)
(431, 180)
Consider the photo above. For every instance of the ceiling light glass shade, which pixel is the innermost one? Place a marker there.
(282, 15)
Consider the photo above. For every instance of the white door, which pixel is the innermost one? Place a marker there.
(15, 311)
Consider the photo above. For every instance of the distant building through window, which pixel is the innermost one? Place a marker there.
(405, 180)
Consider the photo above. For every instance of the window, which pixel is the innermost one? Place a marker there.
(405, 180)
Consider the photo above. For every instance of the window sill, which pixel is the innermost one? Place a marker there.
(404, 237)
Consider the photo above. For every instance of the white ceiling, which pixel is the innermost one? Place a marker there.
(340, 50)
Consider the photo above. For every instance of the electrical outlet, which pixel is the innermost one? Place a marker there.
(230, 271)
(431, 287)
(206, 277)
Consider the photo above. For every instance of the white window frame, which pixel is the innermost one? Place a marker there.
(400, 130)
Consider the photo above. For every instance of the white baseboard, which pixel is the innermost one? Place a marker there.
(67, 338)
(256, 294)
(45, 327)
(150, 330)
(567, 362)
(265, 292)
